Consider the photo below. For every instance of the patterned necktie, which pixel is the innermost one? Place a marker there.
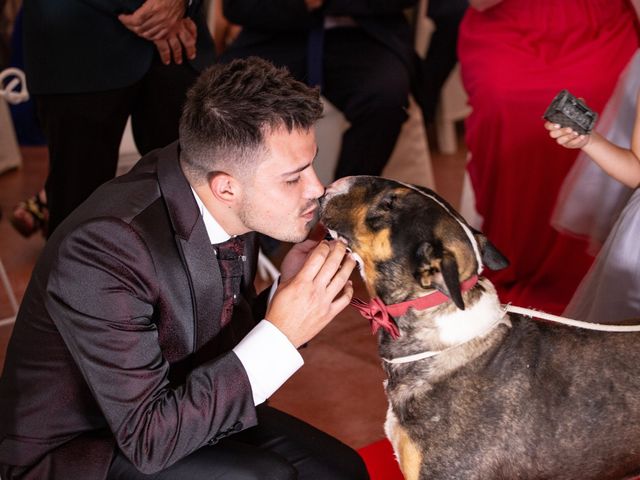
(231, 262)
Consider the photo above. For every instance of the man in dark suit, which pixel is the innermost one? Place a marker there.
(139, 346)
(360, 52)
(91, 64)
(442, 54)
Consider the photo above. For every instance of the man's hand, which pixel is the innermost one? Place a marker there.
(313, 4)
(306, 302)
(181, 37)
(154, 19)
(566, 136)
(297, 255)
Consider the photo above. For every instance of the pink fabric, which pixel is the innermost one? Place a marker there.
(515, 57)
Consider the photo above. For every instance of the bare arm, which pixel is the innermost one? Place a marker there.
(483, 4)
(620, 163)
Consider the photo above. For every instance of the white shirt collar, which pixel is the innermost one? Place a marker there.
(214, 230)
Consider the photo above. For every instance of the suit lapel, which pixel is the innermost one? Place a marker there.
(194, 246)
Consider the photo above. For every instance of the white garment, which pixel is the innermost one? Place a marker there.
(590, 200)
(610, 292)
(592, 203)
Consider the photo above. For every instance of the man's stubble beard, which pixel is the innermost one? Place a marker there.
(253, 222)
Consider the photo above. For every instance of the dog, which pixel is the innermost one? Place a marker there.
(474, 392)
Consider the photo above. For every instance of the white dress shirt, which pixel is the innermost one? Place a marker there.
(266, 354)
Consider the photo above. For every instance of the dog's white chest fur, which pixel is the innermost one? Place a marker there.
(464, 325)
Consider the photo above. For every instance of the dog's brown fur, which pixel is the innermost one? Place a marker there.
(522, 400)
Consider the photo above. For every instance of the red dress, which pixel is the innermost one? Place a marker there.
(515, 57)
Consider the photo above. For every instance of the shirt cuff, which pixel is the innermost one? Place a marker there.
(269, 359)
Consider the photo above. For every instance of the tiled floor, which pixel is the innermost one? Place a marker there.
(338, 390)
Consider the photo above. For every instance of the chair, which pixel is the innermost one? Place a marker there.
(13, 302)
(13, 89)
(453, 105)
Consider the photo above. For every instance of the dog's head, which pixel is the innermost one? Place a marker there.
(408, 239)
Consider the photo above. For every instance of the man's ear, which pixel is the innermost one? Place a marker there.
(438, 268)
(224, 187)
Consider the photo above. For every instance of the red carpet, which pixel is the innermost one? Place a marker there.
(380, 461)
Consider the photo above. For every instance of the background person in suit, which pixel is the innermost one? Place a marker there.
(91, 64)
(139, 346)
(360, 52)
(442, 54)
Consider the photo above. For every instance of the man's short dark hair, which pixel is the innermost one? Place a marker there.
(230, 108)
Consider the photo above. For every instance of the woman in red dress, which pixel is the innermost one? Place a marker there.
(516, 55)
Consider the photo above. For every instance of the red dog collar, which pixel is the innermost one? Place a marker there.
(381, 315)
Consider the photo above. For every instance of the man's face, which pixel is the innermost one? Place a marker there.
(281, 199)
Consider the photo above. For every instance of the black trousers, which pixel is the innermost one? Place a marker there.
(441, 57)
(363, 78)
(84, 130)
(280, 447)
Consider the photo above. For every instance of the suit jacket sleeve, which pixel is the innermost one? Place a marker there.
(268, 15)
(366, 8)
(102, 297)
(115, 7)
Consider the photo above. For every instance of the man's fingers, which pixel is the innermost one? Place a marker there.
(156, 33)
(188, 40)
(331, 264)
(164, 51)
(139, 18)
(191, 27)
(342, 301)
(176, 48)
(341, 278)
(154, 19)
(315, 261)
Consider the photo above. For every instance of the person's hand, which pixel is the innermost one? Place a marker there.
(566, 136)
(297, 255)
(313, 4)
(306, 302)
(154, 19)
(181, 38)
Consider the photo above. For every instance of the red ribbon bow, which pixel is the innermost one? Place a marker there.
(376, 312)
(381, 315)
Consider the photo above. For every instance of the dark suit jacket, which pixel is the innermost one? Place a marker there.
(262, 21)
(77, 46)
(118, 339)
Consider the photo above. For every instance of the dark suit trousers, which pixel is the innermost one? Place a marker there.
(440, 60)
(84, 130)
(280, 447)
(363, 78)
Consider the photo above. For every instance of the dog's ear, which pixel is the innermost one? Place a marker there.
(438, 268)
(491, 256)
